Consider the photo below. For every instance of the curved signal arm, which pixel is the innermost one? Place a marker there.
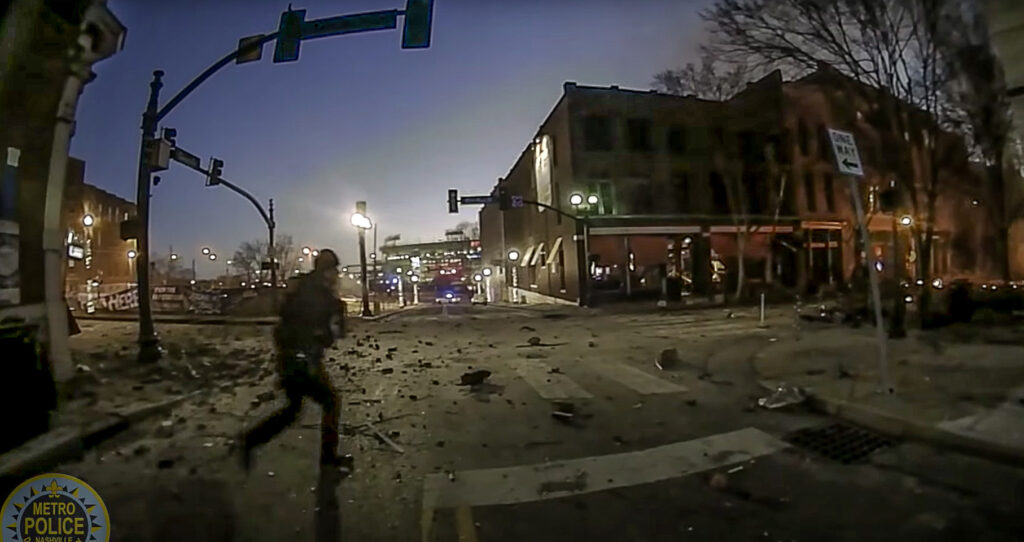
(555, 209)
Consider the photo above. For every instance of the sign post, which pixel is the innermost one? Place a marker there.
(849, 164)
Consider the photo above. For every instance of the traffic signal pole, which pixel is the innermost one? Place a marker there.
(149, 343)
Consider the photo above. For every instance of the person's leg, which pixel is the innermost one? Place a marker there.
(274, 424)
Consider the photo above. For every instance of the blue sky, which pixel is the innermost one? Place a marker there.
(357, 117)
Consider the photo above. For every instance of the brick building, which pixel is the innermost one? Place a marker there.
(92, 218)
(674, 180)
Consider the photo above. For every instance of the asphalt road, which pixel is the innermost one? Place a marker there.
(682, 454)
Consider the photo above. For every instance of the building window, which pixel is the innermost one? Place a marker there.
(681, 191)
(809, 193)
(823, 140)
(676, 140)
(638, 134)
(803, 137)
(755, 203)
(748, 148)
(643, 198)
(830, 193)
(597, 133)
(719, 194)
(607, 198)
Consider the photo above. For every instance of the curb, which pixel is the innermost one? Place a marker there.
(69, 442)
(386, 315)
(896, 427)
(225, 321)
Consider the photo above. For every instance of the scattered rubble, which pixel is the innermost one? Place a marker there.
(667, 359)
(784, 395)
(474, 378)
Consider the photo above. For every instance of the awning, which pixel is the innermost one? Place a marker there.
(536, 254)
(526, 256)
(554, 251)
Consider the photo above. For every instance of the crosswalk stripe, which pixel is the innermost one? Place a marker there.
(549, 385)
(634, 378)
(558, 479)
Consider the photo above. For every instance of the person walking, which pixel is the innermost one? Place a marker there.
(312, 317)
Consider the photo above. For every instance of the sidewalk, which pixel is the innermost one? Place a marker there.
(967, 396)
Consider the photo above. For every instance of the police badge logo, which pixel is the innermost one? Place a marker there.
(54, 508)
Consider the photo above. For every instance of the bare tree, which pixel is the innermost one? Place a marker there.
(982, 109)
(885, 53)
(470, 229)
(712, 80)
(249, 257)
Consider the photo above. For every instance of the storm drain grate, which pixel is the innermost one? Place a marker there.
(840, 442)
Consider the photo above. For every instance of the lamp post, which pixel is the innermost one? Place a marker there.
(513, 258)
(487, 284)
(363, 223)
(415, 279)
(582, 243)
(897, 326)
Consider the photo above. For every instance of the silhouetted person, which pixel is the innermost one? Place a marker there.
(309, 316)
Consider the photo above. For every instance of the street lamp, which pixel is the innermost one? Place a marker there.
(363, 223)
(478, 277)
(88, 220)
(174, 257)
(906, 220)
(486, 271)
(576, 200)
(212, 257)
(592, 199)
(206, 251)
(132, 254)
(306, 251)
(513, 255)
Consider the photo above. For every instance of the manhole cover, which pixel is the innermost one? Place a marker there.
(839, 442)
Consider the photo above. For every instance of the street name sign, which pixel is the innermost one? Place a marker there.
(845, 149)
(476, 200)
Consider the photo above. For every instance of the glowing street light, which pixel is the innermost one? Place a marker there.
(398, 270)
(576, 200)
(478, 277)
(174, 257)
(316, 253)
(414, 278)
(306, 251)
(361, 221)
(132, 254)
(88, 220)
(513, 255)
(906, 220)
(301, 259)
(486, 271)
(206, 251)
(213, 256)
(592, 199)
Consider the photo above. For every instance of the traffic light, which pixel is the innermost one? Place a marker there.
(289, 36)
(158, 154)
(213, 175)
(453, 201)
(416, 32)
(504, 199)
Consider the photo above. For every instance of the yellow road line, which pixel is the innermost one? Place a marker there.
(464, 524)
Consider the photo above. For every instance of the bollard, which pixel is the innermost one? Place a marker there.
(762, 310)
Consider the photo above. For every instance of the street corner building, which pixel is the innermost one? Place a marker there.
(47, 49)
(676, 197)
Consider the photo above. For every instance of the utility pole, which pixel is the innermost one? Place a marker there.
(271, 226)
(149, 343)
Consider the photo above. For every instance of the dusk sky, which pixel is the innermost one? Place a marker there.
(357, 117)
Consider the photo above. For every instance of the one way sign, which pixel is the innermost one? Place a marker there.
(847, 157)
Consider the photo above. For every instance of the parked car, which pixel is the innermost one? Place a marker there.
(454, 293)
(479, 298)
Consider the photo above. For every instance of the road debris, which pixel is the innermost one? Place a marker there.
(474, 378)
(533, 341)
(667, 359)
(384, 438)
(784, 395)
(564, 412)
